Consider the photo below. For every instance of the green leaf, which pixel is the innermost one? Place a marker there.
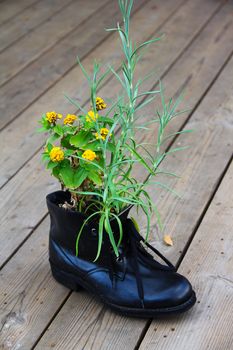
(67, 176)
(145, 44)
(106, 120)
(73, 178)
(100, 238)
(135, 223)
(65, 142)
(68, 152)
(82, 227)
(52, 138)
(110, 147)
(49, 146)
(45, 157)
(43, 129)
(81, 139)
(80, 175)
(93, 176)
(46, 124)
(75, 103)
(142, 161)
(51, 165)
(56, 171)
(84, 70)
(58, 130)
(93, 146)
(108, 229)
(120, 228)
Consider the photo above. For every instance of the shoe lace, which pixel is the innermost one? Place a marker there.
(137, 250)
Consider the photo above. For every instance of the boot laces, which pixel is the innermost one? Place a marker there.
(136, 250)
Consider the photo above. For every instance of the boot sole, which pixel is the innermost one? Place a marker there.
(76, 284)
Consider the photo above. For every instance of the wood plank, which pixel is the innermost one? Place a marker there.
(75, 86)
(19, 229)
(15, 98)
(106, 325)
(31, 17)
(18, 222)
(10, 8)
(209, 141)
(34, 296)
(26, 310)
(43, 38)
(208, 263)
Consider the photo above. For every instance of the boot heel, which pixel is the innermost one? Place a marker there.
(65, 278)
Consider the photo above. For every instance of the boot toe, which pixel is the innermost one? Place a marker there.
(181, 291)
(172, 291)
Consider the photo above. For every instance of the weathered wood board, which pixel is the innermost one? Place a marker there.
(166, 54)
(11, 8)
(43, 38)
(42, 74)
(35, 311)
(30, 18)
(184, 224)
(21, 229)
(208, 263)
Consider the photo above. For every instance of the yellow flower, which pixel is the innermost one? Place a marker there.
(100, 104)
(89, 155)
(70, 119)
(103, 134)
(91, 116)
(53, 116)
(56, 154)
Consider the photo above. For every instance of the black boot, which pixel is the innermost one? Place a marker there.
(134, 283)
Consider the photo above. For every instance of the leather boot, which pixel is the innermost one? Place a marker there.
(134, 284)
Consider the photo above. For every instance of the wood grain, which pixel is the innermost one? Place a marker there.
(20, 228)
(31, 297)
(36, 185)
(21, 25)
(10, 8)
(46, 71)
(26, 309)
(21, 208)
(44, 37)
(218, 124)
(74, 85)
(208, 263)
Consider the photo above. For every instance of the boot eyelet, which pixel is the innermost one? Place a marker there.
(119, 259)
(94, 232)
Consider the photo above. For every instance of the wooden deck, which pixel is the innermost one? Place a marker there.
(39, 41)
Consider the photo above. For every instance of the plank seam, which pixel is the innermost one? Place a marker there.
(169, 145)
(219, 182)
(83, 57)
(51, 320)
(37, 26)
(199, 222)
(53, 45)
(24, 240)
(18, 13)
(187, 47)
(148, 322)
(64, 74)
(143, 333)
(201, 217)
(153, 87)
